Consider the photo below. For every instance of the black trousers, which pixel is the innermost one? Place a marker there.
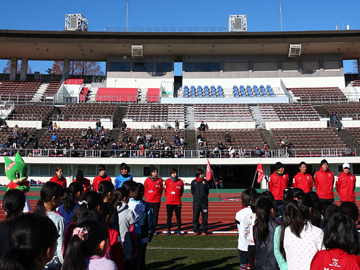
(169, 210)
(155, 207)
(143, 254)
(197, 208)
(332, 201)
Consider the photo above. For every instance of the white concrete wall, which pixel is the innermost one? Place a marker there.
(227, 125)
(136, 82)
(296, 124)
(147, 125)
(350, 123)
(24, 124)
(85, 124)
(233, 100)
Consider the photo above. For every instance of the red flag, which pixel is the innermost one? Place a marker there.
(260, 172)
(208, 171)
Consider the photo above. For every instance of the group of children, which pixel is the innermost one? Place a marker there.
(107, 227)
(296, 228)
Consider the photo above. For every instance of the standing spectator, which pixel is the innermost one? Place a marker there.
(345, 184)
(177, 126)
(278, 181)
(50, 126)
(83, 181)
(303, 180)
(98, 125)
(123, 176)
(324, 182)
(335, 118)
(153, 191)
(200, 192)
(339, 125)
(173, 190)
(58, 111)
(231, 151)
(58, 177)
(101, 177)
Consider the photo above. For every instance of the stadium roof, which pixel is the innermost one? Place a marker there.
(96, 46)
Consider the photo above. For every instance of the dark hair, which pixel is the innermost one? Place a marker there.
(316, 212)
(268, 195)
(124, 166)
(263, 211)
(313, 195)
(253, 202)
(93, 199)
(285, 222)
(130, 186)
(78, 249)
(13, 201)
(246, 196)
(350, 209)
(288, 196)
(105, 210)
(30, 234)
(119, 195)
(340, 232)
(47, 192)
(101, 168)
(105, 187)
(329, 212)
(324, 206)
(58, 168)
(141, 191)
(69, 196)
(89, 215)
(198, 172)
(297, 192)
(173, 170)
(300, 213)
(79, 176)
(302, 163)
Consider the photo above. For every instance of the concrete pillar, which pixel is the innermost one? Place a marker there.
(66, 69)
(13, 69)
(24, 67)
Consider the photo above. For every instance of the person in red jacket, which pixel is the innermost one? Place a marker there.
(101, 177)
(345, 184)
(341, 246)
(303, 180)
(58, 177)
(278, 182)
(324, 182)
(82, 180)
(173, 190)
(153, 191)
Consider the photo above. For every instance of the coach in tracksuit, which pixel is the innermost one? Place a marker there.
(200, 192)
(324, 182)
(345, 184)
(278, 181)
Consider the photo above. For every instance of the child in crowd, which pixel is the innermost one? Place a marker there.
(173, 190)
(50, 199)
(123, 176)
(200, 192)
(341, 243)
(239, 220)
(87, 248)
(83, 181)
(153, 191)
(13, 205)
(127, 229)
(106, 190)
(301, 236)
(264, 230)
(138, 208)
(58, 177)
(101, 177)
(32, 243)
(147, 226)
(72, 196)
(114, 247)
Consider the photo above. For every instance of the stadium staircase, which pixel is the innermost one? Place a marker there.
(268, 138)
(39, 92)
(189, 118)
(322, 111)
(190, 139)
(347, 138)
(259, 121)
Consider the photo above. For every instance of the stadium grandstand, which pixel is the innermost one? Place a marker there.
(241, 100)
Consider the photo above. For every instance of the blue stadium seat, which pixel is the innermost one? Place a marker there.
(250, 92)
(270, 91)
(256, 90)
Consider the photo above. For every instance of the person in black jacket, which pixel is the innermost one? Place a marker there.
(200, 192)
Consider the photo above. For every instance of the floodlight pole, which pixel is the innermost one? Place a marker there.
(281, 17)
(127, 14)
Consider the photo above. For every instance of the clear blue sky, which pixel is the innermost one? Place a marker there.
(262, 15)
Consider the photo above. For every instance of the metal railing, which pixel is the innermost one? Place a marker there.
(25, 117)
(165, 29)
(89, 153)
(83, 117)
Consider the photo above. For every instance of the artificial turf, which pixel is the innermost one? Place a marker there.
(192, 252)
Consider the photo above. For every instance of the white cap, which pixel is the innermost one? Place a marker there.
(346, 165)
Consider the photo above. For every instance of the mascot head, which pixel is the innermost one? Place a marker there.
(16, 171)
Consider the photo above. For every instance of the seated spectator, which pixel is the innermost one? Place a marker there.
(162, 140)
(151, 155)
(287, 142)
(84, 134)
(3, 125)
(71, 140)
(54, 138)
(177, 126)
(231, 151)
(348, 151)
(202, 126)
(55, 126)
(125, 137)
(147, 144)
(200, 141)
(287, 152)
(242, 152)
(89, 133)
(102, 136)
(15, 131)
(267, 153)
(149, 136)
(177, 140)
(257, 152)
(182, 141)
(98, 125)
(50, 126)
(35, 144)
(227, 136)
(266, 147)
(96, 139)
(216, 152)
(220, 145)
(123, 126)
(206, 127)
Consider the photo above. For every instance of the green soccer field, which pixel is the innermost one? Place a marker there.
(192, 252)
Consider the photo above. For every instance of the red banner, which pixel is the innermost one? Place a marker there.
(260, 172)
(208, 171)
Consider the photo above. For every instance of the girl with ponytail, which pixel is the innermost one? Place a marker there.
(302, 239)
(72, 196)
(264, 230)
(87, 248)
(32, 243)
(50, 199)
